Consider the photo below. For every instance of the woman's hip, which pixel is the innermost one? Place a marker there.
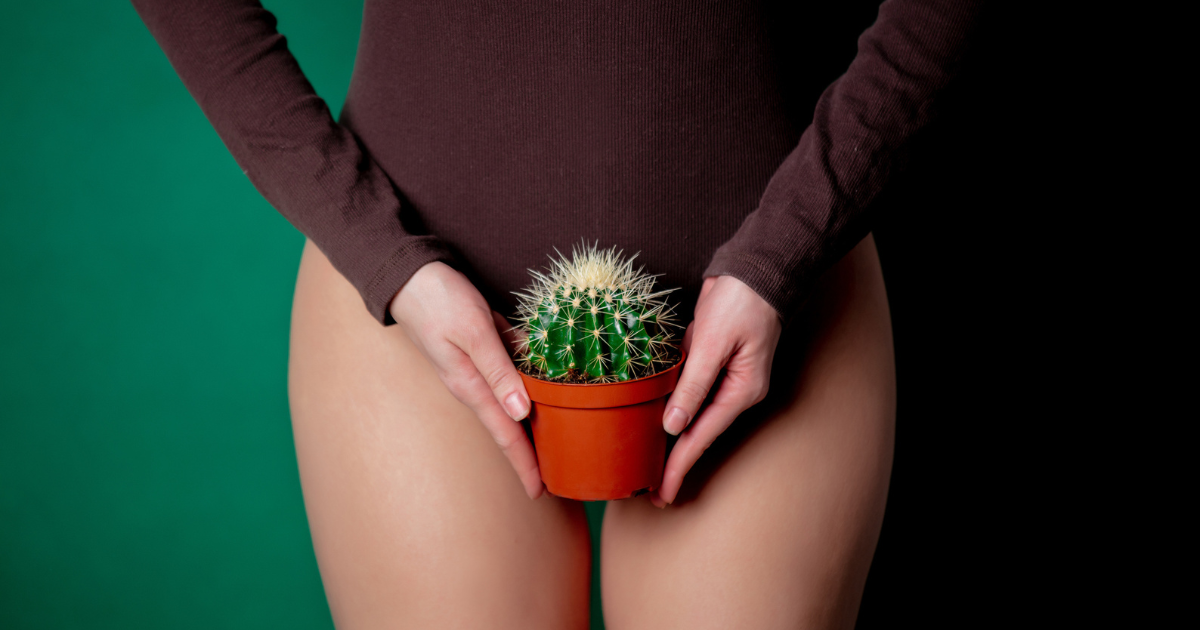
(414, 511)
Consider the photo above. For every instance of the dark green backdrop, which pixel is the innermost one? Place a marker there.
(147, 476)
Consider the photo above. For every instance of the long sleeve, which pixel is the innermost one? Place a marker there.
(815, 207)
(313, 170)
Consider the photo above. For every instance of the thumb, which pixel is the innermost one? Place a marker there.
(699, 373)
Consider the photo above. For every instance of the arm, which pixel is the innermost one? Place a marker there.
(814, 209)
(317, 174)
(813, 212)
(314, 171)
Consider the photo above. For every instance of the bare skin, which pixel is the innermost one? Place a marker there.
(419, 519)
(776, 525)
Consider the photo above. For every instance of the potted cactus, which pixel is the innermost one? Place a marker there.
(598, 358)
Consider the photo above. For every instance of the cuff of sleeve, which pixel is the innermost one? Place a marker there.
(784, 294)
(412, 254)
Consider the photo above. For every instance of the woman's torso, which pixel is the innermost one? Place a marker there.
(515, 128)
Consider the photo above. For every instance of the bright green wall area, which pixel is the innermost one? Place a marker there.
(147, 477)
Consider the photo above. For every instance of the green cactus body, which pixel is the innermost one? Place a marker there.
(565, 338)
(595, 316)
(540, 347)
(616, 332)
(639, 341)
(595, 346)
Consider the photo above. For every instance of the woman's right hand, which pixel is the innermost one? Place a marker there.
(453, 326)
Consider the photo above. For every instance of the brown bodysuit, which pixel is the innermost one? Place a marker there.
(486, 134)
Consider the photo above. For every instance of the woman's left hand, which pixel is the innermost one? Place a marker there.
(734, 329)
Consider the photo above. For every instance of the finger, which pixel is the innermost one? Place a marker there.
(699, 374)
(706, 286)
(511, 335)
(738, 392)
(482, 343)
(470, 387)
(686, 344)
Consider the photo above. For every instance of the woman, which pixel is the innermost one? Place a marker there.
(475, 139)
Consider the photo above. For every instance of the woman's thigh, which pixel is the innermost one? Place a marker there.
(776, 525)
(417, 518)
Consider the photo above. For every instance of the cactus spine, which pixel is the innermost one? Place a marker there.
(595, 315)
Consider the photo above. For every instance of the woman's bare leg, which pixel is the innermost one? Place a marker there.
(417, 518)
(776, 525)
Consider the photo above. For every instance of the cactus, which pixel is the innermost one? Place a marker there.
(596, 317)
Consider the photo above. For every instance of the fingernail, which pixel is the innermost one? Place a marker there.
(516, 406)
(676, 421)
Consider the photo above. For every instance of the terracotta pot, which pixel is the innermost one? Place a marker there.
(601, 442)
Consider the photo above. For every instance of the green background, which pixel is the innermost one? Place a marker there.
(147, 473)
